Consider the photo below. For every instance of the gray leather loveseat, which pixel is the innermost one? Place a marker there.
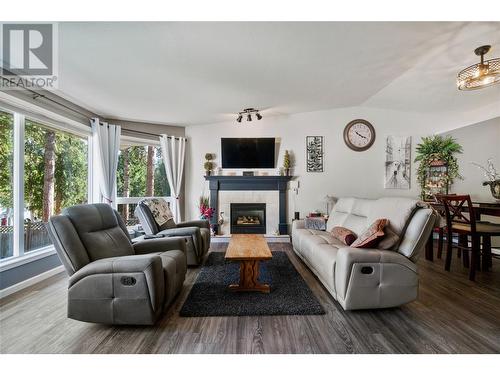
(367, 278)
(113, 281)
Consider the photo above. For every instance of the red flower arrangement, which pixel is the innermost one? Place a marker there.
(206, 212)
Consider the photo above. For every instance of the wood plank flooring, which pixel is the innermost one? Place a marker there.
(451, 315)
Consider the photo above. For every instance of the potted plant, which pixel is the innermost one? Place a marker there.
(493, 178)
(287, 163)
(437, 151)
(208, 165)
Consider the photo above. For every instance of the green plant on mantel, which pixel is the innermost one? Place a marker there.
(434, 148)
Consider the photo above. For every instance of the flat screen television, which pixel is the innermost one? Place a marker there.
(247, 152)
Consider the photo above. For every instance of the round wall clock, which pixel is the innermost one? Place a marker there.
(359, 135)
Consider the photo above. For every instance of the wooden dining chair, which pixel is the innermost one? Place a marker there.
(465, 225)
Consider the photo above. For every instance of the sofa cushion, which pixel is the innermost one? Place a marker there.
(397, 210)
(345, 235)
(371, 236)
(349, 213)
(389, 241)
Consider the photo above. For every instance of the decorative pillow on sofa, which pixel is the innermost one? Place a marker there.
(345, 235)
(389, 240)
(372, 236)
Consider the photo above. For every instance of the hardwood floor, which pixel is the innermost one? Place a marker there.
(451, 315)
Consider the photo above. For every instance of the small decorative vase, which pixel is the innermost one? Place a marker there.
(494, 187)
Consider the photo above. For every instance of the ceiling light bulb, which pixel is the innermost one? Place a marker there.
(259, 116)
(240, 117)
(249, 117)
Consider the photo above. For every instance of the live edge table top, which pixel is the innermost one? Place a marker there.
(248, 247)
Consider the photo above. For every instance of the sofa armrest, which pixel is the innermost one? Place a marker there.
(156, 245)
(298, 224)
(195, 223)
(123, 264)
(347, 257)
(125, 277)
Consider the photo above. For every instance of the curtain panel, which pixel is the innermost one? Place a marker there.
(106, 138)
(173, 152)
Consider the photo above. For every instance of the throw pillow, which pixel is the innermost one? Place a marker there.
(372, 236)
(389, 240)
(345, 235)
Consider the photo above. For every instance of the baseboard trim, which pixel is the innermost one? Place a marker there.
(269, 238)
(29, 282)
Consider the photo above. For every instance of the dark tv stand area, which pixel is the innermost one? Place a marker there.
(250, 183)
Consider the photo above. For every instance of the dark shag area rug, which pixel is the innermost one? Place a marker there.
(289, 294)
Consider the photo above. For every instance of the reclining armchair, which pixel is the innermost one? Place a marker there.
(156, 219)
(113, 281)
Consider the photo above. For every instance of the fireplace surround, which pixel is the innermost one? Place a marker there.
(250, 183)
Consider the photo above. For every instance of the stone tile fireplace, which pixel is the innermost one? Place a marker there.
(267, 190)
(248, 218)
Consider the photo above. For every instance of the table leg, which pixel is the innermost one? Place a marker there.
(249, 273)
(429, 250)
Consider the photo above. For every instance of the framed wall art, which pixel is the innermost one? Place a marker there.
(397, 162)
(314, 153)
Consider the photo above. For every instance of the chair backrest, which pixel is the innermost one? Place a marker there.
(85, 233)
(147, 217)
(454, 208)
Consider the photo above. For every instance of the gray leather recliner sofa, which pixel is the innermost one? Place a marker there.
(196, 232)
(113, 281)
(367, 278)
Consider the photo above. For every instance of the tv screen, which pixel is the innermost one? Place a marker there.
(247, 152)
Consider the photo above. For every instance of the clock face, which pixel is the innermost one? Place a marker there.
(359, 135)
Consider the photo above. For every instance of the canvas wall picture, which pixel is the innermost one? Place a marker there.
(397, 162)
(314, 153)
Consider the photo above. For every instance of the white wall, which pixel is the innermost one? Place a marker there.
(347, 173)
(480, 142)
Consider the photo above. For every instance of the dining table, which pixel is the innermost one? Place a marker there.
(482, 207)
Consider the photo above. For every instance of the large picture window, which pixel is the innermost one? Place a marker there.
(6, 185)
(55, 177)
(44, 168)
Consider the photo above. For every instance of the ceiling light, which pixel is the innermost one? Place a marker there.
(482, 74)
(248, 112)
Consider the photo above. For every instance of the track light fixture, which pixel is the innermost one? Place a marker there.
(248, 112)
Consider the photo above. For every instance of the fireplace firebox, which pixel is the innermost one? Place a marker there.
(248, 218)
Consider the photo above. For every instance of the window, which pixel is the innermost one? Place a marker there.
(140, 173)
(49, 162)
(6, 185)
(55, 177)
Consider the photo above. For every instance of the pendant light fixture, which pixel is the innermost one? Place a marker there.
(483, 74)
(248, 112)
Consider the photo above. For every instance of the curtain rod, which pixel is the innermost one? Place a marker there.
(36, 95)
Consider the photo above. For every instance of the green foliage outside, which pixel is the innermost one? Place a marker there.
(6, 159)
(137, 163)
(70, 167)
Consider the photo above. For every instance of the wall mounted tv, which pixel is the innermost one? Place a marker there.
(247, 152)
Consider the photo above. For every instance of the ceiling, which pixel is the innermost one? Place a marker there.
(184, 73)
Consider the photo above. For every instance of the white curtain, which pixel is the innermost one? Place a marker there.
(173, 152)
(106, 139)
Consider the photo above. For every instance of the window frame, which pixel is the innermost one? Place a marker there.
(19, 256)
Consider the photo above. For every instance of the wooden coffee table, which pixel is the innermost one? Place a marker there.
(249, 250)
